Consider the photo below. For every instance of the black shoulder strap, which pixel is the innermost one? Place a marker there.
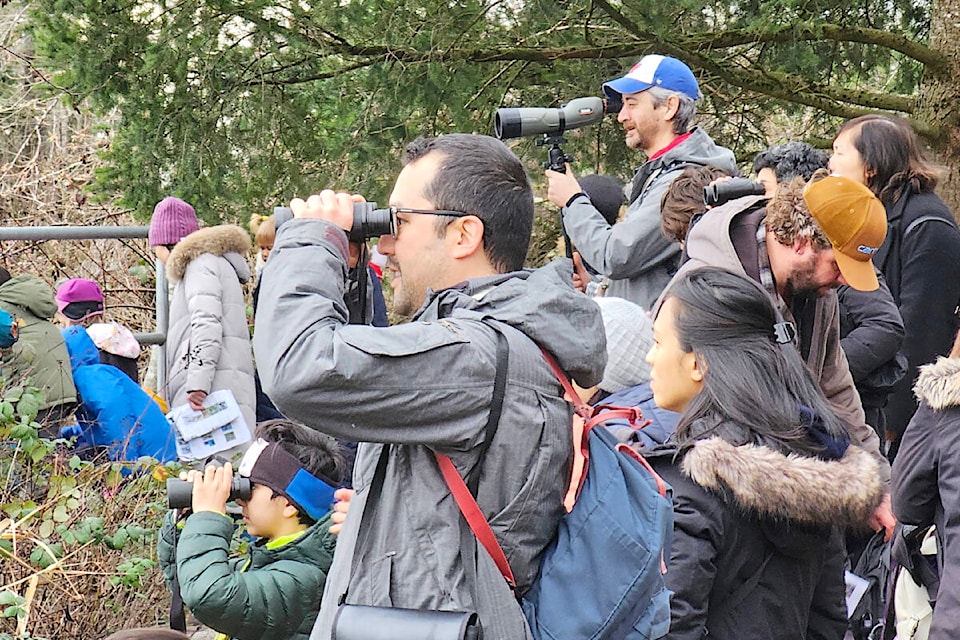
(650, 171)
(473, 482)
(916, 223)
(178, 617)
(496, 404)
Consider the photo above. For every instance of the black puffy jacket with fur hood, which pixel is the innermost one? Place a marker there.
(756, 550)
(926, 481)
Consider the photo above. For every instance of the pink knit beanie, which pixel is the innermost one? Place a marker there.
(172, 221)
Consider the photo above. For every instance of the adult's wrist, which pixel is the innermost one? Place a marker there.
(574, 197)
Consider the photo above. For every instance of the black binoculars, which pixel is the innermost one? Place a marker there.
(180, 492)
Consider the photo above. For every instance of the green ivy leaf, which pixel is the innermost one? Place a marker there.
(40, 558)
(60, 513)
(29, 406)
(46, 528)
(12, 612)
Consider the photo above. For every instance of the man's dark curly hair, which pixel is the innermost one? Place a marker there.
(791, 160)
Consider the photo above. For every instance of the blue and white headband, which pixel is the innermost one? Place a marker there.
(269, 464)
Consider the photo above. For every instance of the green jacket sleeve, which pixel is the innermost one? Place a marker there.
(167, 549)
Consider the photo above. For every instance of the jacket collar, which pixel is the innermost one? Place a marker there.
(803, 489)
(218, 241)
(939, 384)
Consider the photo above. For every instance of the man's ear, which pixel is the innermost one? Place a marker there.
(801, 246)
(671, 106)
(466, 236)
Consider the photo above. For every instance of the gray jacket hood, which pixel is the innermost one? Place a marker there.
(939, 384)
(543, 305)
(229, 241)
(699, 148)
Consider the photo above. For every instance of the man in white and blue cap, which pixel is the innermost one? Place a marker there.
(659, 101)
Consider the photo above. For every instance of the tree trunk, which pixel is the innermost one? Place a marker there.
(940, 98)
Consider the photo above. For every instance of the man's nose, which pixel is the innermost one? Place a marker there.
(386, 245)
(622, 115)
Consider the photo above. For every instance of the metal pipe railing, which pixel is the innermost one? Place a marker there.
(40, 234)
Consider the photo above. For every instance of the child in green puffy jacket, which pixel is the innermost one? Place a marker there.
(274, 592)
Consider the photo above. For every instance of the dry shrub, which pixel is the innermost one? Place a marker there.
(77, 540)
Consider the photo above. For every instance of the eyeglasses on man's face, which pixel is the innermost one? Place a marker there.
(395, 221)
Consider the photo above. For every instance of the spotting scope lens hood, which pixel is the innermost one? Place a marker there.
(532, 121)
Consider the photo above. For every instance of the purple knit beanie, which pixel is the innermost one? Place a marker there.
(172, 221)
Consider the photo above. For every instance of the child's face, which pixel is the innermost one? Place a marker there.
(266, 516)
(265, 251)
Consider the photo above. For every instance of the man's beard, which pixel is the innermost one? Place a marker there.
(802, 283)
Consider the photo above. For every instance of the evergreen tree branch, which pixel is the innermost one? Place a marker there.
(932, 60)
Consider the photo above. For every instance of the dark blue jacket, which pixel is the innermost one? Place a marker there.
(656, 433)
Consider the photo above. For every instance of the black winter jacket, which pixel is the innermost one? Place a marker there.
(926, 482)
(756, 552)
(871, 334)
(922, 269)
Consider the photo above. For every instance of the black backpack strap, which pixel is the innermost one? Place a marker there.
(649, 172)
(178, 617)
(916, 223)
(496, 404)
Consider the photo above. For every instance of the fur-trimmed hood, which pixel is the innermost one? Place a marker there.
(806, 490)
(222, 240)
(939, 384)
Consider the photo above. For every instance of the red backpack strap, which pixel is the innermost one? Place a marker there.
(580, 407)
(474, 517)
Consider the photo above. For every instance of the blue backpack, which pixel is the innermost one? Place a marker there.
(601, 578)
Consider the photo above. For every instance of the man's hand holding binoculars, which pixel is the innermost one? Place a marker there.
(332, 206)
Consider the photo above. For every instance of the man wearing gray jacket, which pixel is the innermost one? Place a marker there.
(659, 97)
(463, 210)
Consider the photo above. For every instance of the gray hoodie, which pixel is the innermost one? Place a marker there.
(421, 387)
(633, 253)
(709, 243)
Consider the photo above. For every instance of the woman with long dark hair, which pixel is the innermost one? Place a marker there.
(920, 257)
(762, 473)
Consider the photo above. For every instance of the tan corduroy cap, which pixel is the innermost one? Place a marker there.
(855, 223)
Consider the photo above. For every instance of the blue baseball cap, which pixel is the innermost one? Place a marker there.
(655, 71)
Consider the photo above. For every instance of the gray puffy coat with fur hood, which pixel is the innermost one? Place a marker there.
(208, 342)
(756, 550)
(926, 481)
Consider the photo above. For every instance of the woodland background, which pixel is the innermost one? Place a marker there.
(106, 106)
